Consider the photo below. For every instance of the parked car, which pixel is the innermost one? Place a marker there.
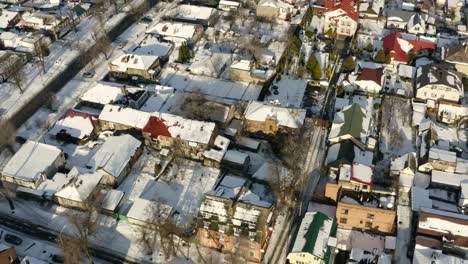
(123, 44)
(88, 74)
(12, 239)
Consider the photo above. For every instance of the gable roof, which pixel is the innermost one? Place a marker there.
(81, 187)
(31, 160)
(348, 8)
(352, 120)
(134, 61)
(314, 232)
(369, 74)
(399, 47)
(287, 117)
(439, 74)
(457, 54)
(115, 154)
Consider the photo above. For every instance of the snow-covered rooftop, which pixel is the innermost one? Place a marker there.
(143, 210)
(31, 161)
(76, 125)
(286, 117)
(174, 31)
(115, 154)
(125, 116)
(112, 199)
(221, 143)
(235, 156)
(192, 12)
(108, 93)
(133, 61)
(82, 185)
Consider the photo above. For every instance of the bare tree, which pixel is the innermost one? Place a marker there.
(8, 135)
(139, 10)
(160, 230)
(198, 107)
(15, 68)
(41, 49)
(83, 224)
(102, 43)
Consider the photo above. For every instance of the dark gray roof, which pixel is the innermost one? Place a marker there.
(457, 54)
(439, 74)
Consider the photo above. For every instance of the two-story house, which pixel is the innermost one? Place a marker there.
(342, 19)
(438, 82)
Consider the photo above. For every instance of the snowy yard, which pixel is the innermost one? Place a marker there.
(288, 92)
(396, 131)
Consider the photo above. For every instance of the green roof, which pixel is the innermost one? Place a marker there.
(78, 10)
(316, 230)
(353, 119)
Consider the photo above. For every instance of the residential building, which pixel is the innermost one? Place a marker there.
(155, 46)
(374, 210)
(458, 56)
(193, 14)
(274, 9)
(245, 71)
(227, 5)
(115, 117)
(437, 159)
(371, 9)
(82, 190)
(177, 32)
(314, 239)
(404, 168)
(8, 19)
(7, 254)
(9, 40)
(112, 201)
(235, 217)
(368, 80)
(189, 137)
(134, 65)
(32, 164)
(75, 127)
(115, 158)
(399, 19)
(353, 123)
(438, 82)
(44, 21)
(342, 18)
(269, 119)
(104, 93)
(450, 113)
(446, 227)
(416, 24)
(401, 49)
(357, 177)
(213, 156)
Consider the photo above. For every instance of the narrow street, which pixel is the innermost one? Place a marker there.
(288, 224)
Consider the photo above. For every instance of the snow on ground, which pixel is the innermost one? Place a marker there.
(396, 131)
(288, 92)
(182, 189)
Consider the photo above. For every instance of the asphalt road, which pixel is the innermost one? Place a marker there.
(43, 233)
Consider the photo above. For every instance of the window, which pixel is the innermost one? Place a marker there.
(221, 237)
(369, 224)
(370, 216)
(251, 253)
(344, 211)
(343, 220)
(364, 187)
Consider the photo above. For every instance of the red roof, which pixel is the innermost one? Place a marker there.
(72, 113)
(368, 74)
(421, 45)
(392, 46)
(349, 7)
(156, 127)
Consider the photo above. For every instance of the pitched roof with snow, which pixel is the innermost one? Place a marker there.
(31, 161)
(108, 93)
(77, 124)
(348, 7)
(314, 232)
(457, 54)
(168, 125)
(115, 154)
(174, 30)
(6, 17)
(452, 226)
(286, 117)
(124, 116)
(353, 120)
(134, 61)
(399, 47)
(82, 186)
(439, 74)
(143, 210)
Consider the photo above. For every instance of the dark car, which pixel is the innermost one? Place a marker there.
(88, 74)
(12, 239)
